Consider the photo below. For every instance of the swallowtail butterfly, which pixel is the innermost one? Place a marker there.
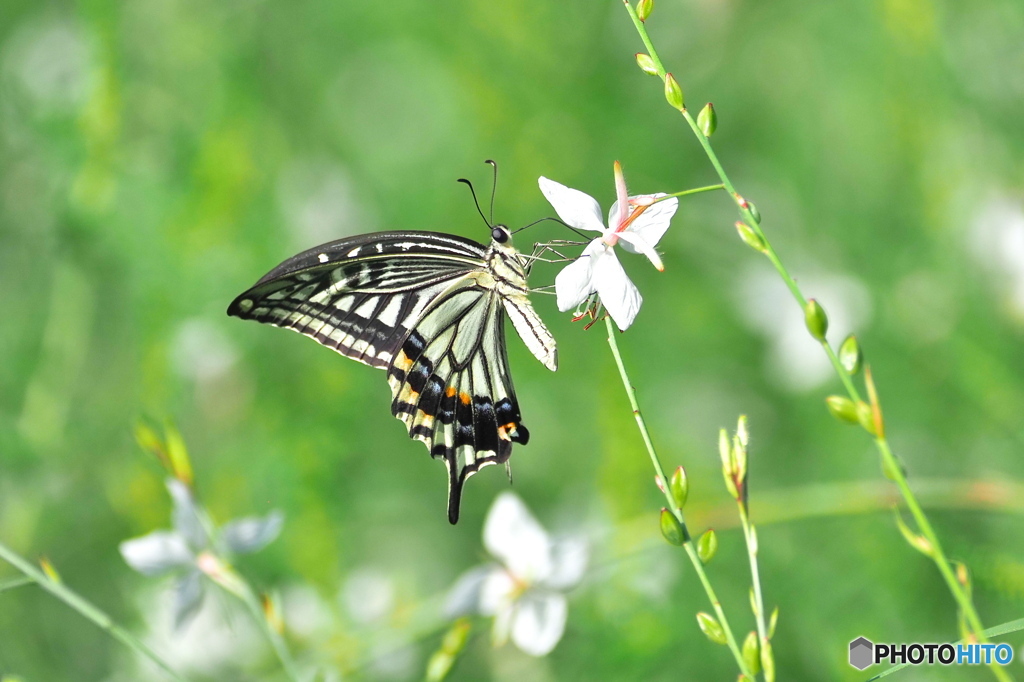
(430, 309)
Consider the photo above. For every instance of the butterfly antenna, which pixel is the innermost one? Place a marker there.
(494, 185)
(557, 220)
(475, 201)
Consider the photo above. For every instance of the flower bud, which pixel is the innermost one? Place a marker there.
(751, 655)
(272, 613)
(842, 408)
(740, 451)
(876, 406)
(707, 545)
(750, 238)
(754, 212)
(181, 466)
(865, 417)
(671, 528)
(816, 320)
(49, 570)
(673, 93)
(658, 482)
(963, 576)
(439, 665)
(644, 9)
(767, 661)
(772, 622)
(646, 64)
(710, 627)
(707, 120)
(679, 485)
(918, 542)
(850, 356)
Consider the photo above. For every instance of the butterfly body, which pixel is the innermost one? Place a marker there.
(429, 308)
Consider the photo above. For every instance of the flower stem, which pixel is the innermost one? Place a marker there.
(755, 573)
(85, 608)
(691, 551)
(685, 192)
(252, 602)
(890, 461)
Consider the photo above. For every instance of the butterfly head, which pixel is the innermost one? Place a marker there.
(501, 234)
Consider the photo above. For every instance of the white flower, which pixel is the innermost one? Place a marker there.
(636, 222)
(190, 551)
(524, 592)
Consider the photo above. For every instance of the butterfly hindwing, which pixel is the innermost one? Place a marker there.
(452, 388)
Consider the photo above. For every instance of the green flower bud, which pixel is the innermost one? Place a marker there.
(710, 627)
(754, 212)
(963, 576)
(850, 356)
(181, 466)
(866, 417)
(751, 654)
(876, 406)
(842, 408)
(646, 64)
(918, 542)
(644, 9)
(767, 661)
(707, 545)
(673, 93)
(439, 665)
(49, 570)
(742, 431)
(750, 238)
(707, 120)
(816, 319)
(772, 622)
(671, 528)
(679, 485)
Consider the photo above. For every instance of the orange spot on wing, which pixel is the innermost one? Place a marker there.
(465, 398)
(505, 429)
(450, 391)
(402, 361)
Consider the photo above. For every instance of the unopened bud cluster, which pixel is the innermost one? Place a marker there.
(733, 452)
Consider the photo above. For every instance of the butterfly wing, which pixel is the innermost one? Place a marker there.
(452, 387)
(360, 296)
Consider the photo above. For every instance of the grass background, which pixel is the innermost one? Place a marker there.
(157, 158)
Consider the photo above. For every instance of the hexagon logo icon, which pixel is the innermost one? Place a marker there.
(861, 653)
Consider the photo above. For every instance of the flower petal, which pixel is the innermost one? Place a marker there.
(188, 597)
(185, 515)
(539, 622)
(618, 294)
(574, 207)
(576, 280)
(156, 553)
(512, 535)
(636, 243)
(654, 221)
(465, 595)
(252, 533)
(569, 559)
(497, 592)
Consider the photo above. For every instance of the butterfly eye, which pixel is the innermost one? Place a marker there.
(499, 233)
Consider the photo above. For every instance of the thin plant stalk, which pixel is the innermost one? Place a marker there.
(691, 551)
(755, 573)
(889, 460)
(86, 609)
(252, 603)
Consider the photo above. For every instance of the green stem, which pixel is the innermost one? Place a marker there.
(889, 459)
(14, 583)
(691, 551)
(252, 602)
(755, 573)
(685, 192)
(86, 609)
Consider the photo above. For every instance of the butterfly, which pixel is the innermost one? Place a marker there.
(430, 309)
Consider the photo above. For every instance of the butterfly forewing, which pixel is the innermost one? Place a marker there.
(430, 309)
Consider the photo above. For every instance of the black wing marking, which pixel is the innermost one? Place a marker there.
(360, 296)
(452, 388)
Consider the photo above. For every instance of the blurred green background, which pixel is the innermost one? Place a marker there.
(157, 157)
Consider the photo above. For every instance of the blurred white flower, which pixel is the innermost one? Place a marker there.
(194, 548)
(524, 592)
(997, 240)
(368, 595)
(635, 222)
